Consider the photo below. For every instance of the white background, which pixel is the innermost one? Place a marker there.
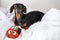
(43, 5)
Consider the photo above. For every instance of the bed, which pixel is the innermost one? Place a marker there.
(47, 29)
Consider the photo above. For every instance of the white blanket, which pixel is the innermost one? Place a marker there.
(44, 30)
(5, 23)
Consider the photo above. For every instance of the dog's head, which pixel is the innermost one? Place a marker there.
(18, 8)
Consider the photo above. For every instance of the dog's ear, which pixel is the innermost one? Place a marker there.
(24, 8)
(11, 9)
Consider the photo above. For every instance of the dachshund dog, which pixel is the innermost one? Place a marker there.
(25, 20)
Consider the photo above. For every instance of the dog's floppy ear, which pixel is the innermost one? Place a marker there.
(11, 9)
(24, 8)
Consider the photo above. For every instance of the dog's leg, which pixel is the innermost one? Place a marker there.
(25, 26)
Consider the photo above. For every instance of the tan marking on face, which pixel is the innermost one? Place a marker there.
(18, 15)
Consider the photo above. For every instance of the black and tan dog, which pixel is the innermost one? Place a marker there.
(25, 20)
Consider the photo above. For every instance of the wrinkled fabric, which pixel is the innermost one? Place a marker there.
(42, 30)
(5, 23)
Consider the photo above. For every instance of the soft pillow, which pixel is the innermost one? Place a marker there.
(52, 15)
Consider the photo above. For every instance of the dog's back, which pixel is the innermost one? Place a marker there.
(32, 17)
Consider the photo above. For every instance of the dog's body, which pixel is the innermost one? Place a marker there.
(25, 20)
(32, 17)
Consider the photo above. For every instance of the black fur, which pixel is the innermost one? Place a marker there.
(32, 17)
(28, 18)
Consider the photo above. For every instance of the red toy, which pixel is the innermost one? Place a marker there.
(13, 32)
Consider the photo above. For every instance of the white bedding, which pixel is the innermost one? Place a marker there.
(44, 30)
(52, 15)
(5, 23)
